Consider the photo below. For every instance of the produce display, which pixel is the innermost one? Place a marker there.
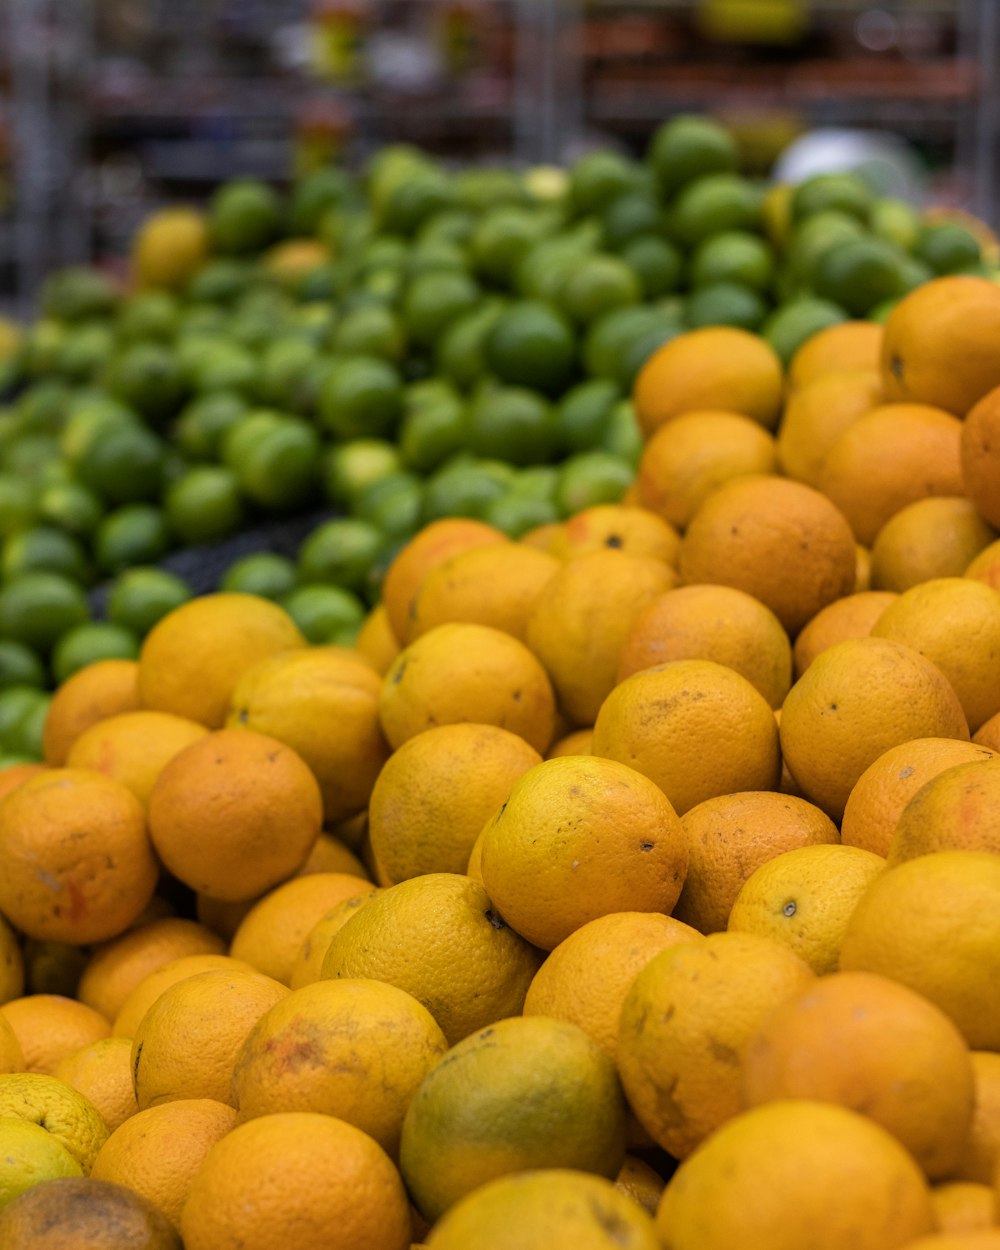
(501, 711)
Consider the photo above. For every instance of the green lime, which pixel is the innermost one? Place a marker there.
(896, 221)
(350, 467)
(281, 368)
(947, 247)
(880, 313)
(590, 478)
(70, 506)
(30, 455)
(123, 465)
(361, 396)
(78, 293)
(713, 205)
(92, 641)
(450, 225)
(687, 148)
(734, 256)
(44, 548)
(435, 256)
(25, 737)
(481, 189)
(597, 285)
(42, 342)
(615, 341)
(204, 422)
(95, 418)
(839, 192)
(532, 345)
(134, 534)
(511, 423)
(538, 481)
(219, 365)
(37, 608)
(84, 351)
(416, 197)
(20, 706)
(281, 469)
(858, 274)
(338, 553)
(581, 416)
(244, 434)
(19, 665)
(657, 263)
(598, 178)
(148, 316)
(460, 354)
(371, 331)
(792, 323)
(221, 281)
(326, 615)
(392, 504)
(811, 239)
(315, 194)
(42, 407)
(148, 377)
(623, 437)
(501, 238)
(204, 504)
(630, 216)
(434, 300)
(432, 431)
(262, 573)
(383, 252)
(913, 273)
(140, 597)
(515, 514)
(725, 304)
(18, 504)
(545, 265)
(244, 216)
(461, 487)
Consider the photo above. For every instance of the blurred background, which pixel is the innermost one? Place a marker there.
(112, 108)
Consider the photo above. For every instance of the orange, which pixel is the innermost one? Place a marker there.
(716, 623)
(839, 348)
(933, 924)
(940, 344)
(48, 1027)
(116, 968)
(817, 414)
(438, 790)
(694, 727)
(271, 934)
(11, 1054)
(981, 1156)
(78, 863)
(887, 785)
(151, 987)
(637, 531)
(105, 688)
(731, 835)
(537, 1210)
(309, 961)
(986, 566)
(187, 1042)
(957, 810)
(964, 1206)
(376, 641)
(460, 672)
(804, 899)
(496, 585)
(193, 657)
(854, 616)
(440, 938)
(323, 703)
(158, 1152)
(641, 1183)
(692, 455)
(980, 454)
(134, 747)
(935, 537)
(222, 916)
(102, 1073)
(778, 540)
(973, 1239)
(988, 733)
(890, 457)
(585, 978)
(434, 544)
(876, 1047)
(684, 1027)
(857, 699)
(955, 623)
(543, 536)
(235, 813)
(862, 568)
(577, 838)
(578, 742)
(356, 1049)
(11, 964)
(528, 1092)
(796, 1173)
(14, 774)
(77, 1213)
(582, 618)
(715, 367)
(299, 1179)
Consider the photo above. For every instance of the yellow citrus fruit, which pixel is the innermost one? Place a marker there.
(169, 248)
(988, 733)
(153, 985)
(187, 1042)
(957, 810)
(778, 540)
(579, 837)
(815, 416)
(49, 1027)
(134, 747)
(981, 1155)
(986, 566)
(193, 657)
(440, 938)
(524, 1093)
(95, 692)
(973, 1239)
(235, 813)
(637, 531)
(935, 537)
(11, 964)
(463, 672)
(435, 794)
(376, 641)
(854, 616)
(578, 742)
(356, 1049)
(857, 699)
(837, 349)
(31, 1155)
(158, 1152)
(301, 1176)
(728, 837)
(981, 458)
(309, 961)
(695, 728)
(641, 1183)
(796, 1173)
(78, 1213)
(933, 924)
(11, 1054)
(964, 1206)
(102, 1073)
(63, 1113)
(684, 1027)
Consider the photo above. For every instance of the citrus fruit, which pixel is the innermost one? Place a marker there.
(102, 1073)
(532, 345)
(853, 616)
(980, 460)
(952, 811)
(146, 992)
(48, 1027)
(38, 608)
(32, 1155)
(982, 1147)
(935, 537)
(60, 1111)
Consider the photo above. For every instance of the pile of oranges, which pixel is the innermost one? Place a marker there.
(632, 886)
